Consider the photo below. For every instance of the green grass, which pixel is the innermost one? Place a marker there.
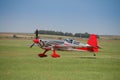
(19, 62)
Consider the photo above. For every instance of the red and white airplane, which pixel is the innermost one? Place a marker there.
(65, 45)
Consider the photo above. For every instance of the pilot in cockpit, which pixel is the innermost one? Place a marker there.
(69, 40)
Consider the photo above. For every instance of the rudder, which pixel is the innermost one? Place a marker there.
(92, 41)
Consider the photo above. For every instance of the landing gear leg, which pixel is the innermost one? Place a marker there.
(54, 54)
(43, 54)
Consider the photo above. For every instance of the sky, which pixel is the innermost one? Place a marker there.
(101, 17)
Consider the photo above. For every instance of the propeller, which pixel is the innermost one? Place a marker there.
(36, 33)
(37, 41)
(32, 45)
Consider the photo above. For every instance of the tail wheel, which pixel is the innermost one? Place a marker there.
(94, 54)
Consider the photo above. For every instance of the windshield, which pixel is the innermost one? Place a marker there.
(72, 41)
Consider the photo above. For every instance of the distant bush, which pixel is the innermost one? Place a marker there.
(14, 36)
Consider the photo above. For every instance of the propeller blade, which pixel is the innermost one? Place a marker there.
(32, 45)
(36, 33)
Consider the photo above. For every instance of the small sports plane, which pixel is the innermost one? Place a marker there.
(65, 45)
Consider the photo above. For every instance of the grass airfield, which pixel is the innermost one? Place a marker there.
(19, 62)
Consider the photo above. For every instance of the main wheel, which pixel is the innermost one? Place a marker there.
(42, 55)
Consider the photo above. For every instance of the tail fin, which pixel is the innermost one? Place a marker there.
(92, 41)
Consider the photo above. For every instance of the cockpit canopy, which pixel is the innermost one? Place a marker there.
(71, 41)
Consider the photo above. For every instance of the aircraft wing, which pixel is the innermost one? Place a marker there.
(70, 46)
(75, 47)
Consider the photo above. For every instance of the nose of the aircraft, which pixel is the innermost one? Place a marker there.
(36, 40)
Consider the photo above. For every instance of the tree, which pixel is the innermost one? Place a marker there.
(81, 35)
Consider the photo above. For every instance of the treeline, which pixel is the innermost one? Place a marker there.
(81, 35)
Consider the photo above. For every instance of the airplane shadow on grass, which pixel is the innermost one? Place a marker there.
(87, 57)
